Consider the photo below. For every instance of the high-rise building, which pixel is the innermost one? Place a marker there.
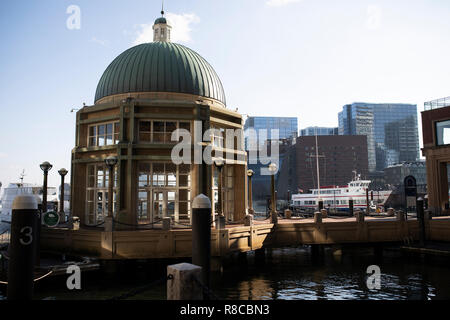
(391, 130)
(287, 127)
(320, 131)
(287, 133)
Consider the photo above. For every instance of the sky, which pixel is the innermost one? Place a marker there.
(296, 58)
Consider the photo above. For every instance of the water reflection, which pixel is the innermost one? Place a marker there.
(291, 274)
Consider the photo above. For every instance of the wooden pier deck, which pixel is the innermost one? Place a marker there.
(176, 243)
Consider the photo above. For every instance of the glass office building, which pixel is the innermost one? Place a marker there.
(391, 130)
(321, 131)
(287, 127)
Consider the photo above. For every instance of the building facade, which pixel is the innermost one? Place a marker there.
(395, 175)
(287, 127)
(391, 131)
(144, 95)
(320, 131)
(436, 150)
(339, 158)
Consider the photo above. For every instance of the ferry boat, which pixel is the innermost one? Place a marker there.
(337, 197)
(20, 188)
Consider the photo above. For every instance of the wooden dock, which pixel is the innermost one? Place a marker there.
(176, 243)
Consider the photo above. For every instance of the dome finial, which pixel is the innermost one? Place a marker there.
(161, 28)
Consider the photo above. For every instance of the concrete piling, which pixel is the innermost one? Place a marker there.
(22, 248)
(181, 284)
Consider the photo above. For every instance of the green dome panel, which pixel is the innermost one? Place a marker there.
(160, 67)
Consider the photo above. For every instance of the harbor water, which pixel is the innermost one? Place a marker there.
(286, 274)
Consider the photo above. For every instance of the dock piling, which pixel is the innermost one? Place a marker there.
(22, 248)
(201, 235)
(181, 284)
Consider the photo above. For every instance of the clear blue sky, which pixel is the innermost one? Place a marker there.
(302, 58)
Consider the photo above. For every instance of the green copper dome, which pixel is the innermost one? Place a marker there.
(160, 67)
(160, 20)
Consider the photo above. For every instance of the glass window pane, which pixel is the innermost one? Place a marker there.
(145, 136)
(92, 141)
(171, 127)
(109, 140)
(158, 137)
(158, 126)
(144, 126)
(171, 180)
(158, 168)
(101, 129)
(93, 131)
(109, 128)
(101, 141)
(144, 167)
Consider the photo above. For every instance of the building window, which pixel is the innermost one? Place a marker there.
(97, 193)
(443, 133)
(164, 191)
(160, 131)
(103, 134)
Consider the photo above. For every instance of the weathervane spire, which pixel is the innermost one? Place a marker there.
(162, 8)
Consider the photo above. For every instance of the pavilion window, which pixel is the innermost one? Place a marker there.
(103, 134)
(164, 190)
(160, 131)
(97, 193)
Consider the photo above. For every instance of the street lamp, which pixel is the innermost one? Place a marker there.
(273, 169)
(46, 167)
(63, 173)
(110, 162)
(250, 174)
(219, 163)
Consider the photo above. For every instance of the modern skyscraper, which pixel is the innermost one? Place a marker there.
(391, 130)
(287, 127)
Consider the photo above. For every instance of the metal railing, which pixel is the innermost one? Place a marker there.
(436, 104)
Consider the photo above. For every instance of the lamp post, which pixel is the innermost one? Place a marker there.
(220, 163)
(273, 169)
(63, 173)
(250, 174)
(46, 167)
(110, 162)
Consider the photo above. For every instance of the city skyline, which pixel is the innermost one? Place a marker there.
(318, 57)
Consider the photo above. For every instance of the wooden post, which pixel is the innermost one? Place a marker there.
(181, 283)
(317, 217)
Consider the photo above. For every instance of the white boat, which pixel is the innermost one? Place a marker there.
(337, 197)
(20, 188)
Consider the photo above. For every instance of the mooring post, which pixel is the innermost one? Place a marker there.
(350, 207)
(181, 282)
(201, 235)
(38, 228)
(317, 217)
(421, 219)
(22, 249)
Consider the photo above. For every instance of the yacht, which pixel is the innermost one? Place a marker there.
(20, 188)
(337, 197)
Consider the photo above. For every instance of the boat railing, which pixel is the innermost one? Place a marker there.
(5, 237)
